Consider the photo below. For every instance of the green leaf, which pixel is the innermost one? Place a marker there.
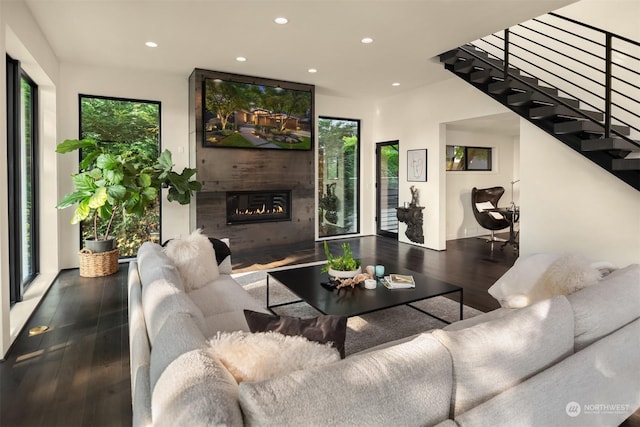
(84, 182)
(117, 192)
(69, 145)
(144, 180)
(165, 162)
(81, 213)
(149, 193)
(72, 198)
(114, 176)
(107, 161)
(105, 211)
(98, 199)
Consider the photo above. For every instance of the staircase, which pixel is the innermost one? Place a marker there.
(600, 120)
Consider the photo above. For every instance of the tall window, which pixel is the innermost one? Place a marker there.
(338, 176)
(22, 119)
(132, 129)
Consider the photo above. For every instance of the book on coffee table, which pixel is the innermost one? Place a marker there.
(398, 281)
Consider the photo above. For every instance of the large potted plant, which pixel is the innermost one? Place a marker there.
(110, 184)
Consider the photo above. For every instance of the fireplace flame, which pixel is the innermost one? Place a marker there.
(259, 211)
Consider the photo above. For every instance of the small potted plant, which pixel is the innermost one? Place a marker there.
(110, 184)
(344, 266)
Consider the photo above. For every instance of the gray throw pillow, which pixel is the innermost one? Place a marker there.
(321, 329)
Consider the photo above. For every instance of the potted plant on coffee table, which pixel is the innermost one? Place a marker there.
(110, 184)
(344, 266)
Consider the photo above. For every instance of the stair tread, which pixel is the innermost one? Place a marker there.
(608, 144)
(625, 164)
(548, 111)
(577, 126)
(536, 97)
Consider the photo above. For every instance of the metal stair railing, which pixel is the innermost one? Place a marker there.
(583, 62)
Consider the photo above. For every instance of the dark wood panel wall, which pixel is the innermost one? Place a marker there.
(221, 170)
(237, 169)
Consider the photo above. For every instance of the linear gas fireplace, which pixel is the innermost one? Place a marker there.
(245, 207)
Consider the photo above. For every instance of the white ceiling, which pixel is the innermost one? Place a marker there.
(321, 34)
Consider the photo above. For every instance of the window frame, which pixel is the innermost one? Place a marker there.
(465, 159)
(18, 281)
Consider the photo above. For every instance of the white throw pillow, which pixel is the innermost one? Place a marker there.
(260, 356)
(195, 259)
(541, 276)
(568, 274)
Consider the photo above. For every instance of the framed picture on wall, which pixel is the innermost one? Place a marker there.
(417, 165)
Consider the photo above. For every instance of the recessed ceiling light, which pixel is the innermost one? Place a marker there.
(367, 40)
(281, 20)
(312, 70)
(395, 84)
(241, 59)
(151, 44)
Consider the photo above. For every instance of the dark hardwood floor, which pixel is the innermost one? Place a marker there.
(77, 373)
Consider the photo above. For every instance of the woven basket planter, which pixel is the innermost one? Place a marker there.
(98, 264)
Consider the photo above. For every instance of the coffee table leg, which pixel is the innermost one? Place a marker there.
(461, 303)
(268, 307)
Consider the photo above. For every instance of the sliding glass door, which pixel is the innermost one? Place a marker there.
(387, 188)
(338, 176)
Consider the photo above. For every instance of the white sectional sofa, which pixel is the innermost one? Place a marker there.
(565, 361)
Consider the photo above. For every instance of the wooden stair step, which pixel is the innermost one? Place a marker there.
(525, 98)
(485, 76)
(586, 126)
(608, 144)
(550, 111)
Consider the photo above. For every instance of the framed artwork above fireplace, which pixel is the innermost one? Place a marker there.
(237, 111)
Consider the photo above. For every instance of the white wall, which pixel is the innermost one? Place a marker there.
(418, 120)
(332, 106)
(572, 205)
(459, 218)
(21, 38)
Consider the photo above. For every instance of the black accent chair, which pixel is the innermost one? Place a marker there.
(484, 218)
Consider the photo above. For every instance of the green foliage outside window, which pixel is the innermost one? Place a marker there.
(132, 130)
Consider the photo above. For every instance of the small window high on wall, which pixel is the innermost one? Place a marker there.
(461, 158)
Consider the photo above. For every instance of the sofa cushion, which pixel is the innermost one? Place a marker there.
(153, 264)
(160, 300)
(225, 266)
(179, 334)
(493, 356)
(196, 390)
(408, 384)
(223, 295)
(481, 318)
(606, 306)
(601, 381)
(259, 356)
(195, 259)
(323, 329)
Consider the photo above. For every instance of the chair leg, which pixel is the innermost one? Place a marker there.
(493, 238)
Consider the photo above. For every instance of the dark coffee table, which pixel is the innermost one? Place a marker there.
(306, 283)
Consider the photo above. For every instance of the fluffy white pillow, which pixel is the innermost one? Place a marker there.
(514, 287)
(195, 259)
(569, 274)
(263, 355)
(541, 276)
